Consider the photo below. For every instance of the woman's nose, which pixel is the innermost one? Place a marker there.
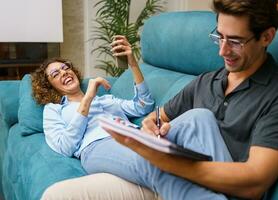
(63, 72)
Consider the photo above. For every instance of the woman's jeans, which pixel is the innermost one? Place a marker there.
(195, 129)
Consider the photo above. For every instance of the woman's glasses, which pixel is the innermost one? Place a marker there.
(55, 73)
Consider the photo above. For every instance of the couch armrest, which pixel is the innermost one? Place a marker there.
(9, 102)
(8, 116)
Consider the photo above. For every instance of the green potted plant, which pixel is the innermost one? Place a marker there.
(113, 18)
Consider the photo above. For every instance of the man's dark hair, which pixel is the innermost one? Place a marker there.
(262, 14)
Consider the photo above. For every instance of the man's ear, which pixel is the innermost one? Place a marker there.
(267, 36)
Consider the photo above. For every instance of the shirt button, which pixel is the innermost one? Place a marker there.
(226, 103)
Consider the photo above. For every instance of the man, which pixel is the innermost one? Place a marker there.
(237, 116)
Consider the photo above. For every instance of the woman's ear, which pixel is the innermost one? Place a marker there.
(267, 36)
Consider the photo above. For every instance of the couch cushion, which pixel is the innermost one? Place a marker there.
(273, 48)
(179, 41)
(163, 84)
(33, 166)
(29, 112)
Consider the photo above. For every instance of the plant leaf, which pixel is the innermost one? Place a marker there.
(112, 18)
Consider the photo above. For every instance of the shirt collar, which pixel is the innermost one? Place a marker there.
(64, 100)
(222, 74)
(265, 72)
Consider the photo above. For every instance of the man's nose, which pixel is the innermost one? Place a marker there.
(224, 48)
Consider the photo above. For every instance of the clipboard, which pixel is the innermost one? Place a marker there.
(151, 141)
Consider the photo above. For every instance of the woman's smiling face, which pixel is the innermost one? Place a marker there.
(62, 78)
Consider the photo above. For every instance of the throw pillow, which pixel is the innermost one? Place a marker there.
(29, 112)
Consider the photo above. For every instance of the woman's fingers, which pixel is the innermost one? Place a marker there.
(121, 50)
(120, 46)
(99, 81)
(106, 84)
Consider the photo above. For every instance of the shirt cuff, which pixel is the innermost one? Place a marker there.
(141, 88)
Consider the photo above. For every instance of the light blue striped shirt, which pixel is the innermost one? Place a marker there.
(68, 132)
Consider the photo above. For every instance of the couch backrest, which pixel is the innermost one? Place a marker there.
(179, 41)
(273, 48)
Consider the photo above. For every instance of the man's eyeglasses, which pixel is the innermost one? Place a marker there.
(234, 44)
(57, 72)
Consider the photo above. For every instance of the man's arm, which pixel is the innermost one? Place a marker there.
(248, 179)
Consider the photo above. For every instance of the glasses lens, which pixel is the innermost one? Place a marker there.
(65, 66)
(234, 44)
(215, 38)
(54, 73)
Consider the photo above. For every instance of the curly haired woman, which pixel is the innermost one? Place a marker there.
(69, 118)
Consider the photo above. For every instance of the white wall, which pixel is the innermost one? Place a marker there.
(199, 4)
(73, 21)
(31, 21)
(137, 5)
(182, 5)
(90, 58)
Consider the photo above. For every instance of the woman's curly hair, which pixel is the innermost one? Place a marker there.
(43, 91)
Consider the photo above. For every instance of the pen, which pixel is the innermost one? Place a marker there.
(157, 119)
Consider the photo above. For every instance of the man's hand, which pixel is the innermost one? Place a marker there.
(149, 124)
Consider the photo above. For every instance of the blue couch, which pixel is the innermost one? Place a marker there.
(175, 48)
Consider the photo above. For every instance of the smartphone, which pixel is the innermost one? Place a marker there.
(121, 62)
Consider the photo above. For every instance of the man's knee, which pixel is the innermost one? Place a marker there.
(200, 113)
(197, 114)
(191, 125)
